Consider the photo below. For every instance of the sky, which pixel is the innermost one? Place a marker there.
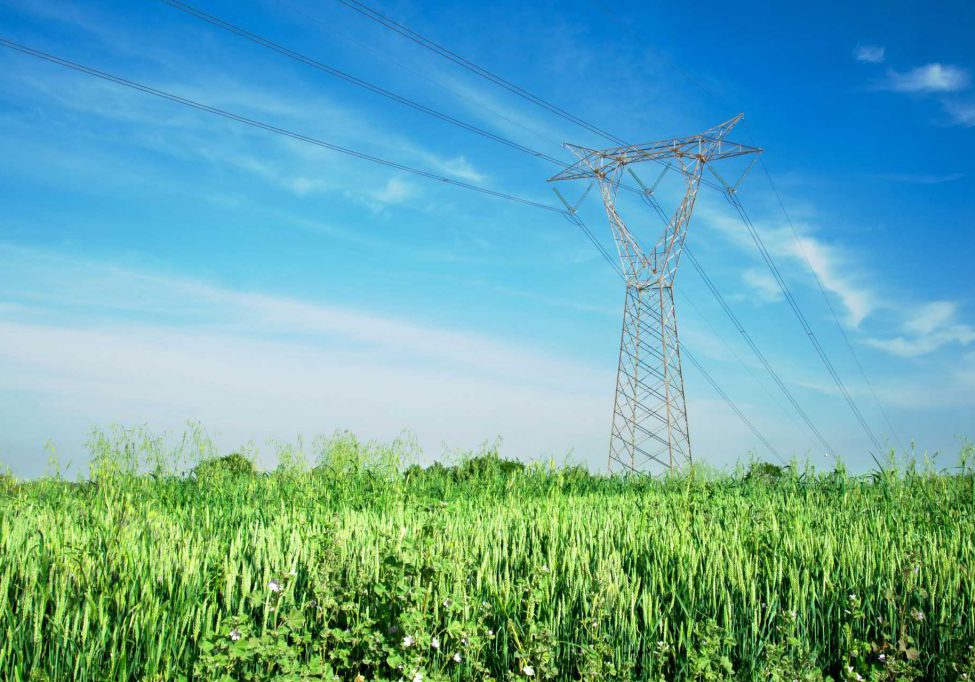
(160, 265)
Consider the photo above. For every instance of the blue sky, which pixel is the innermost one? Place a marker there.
(160, 264)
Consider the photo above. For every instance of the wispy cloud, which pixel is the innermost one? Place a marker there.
(834, 268)
(961, 112)
(933, 326)
(96, 343)
(919, 178)
(872, 54)
(930, 78)
(763, 284)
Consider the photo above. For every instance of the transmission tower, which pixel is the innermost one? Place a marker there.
(650, 412)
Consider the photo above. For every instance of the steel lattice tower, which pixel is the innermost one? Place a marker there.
(650, 412)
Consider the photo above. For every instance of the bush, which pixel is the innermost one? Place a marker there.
(234, 464)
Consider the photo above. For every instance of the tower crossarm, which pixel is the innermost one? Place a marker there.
(703, 148)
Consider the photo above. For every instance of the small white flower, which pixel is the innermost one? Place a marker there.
(418, 676)
(275, 585)
(853, 597)
(917, 615)
(859, 677)
(292, 573)
(457, 658)
(408, 641)
(490, 632)
(235, 634)
(529, 671)
(434, 643)
(464, 641)
(882, 657)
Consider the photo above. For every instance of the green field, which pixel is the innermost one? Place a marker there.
(344, 564)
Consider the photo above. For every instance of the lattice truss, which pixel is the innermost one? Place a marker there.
(650, 411)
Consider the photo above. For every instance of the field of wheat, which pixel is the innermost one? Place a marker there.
(342, 564)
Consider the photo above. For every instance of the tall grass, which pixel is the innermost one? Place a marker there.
(341, 564)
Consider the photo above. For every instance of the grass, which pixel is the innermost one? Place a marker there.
(353, 568)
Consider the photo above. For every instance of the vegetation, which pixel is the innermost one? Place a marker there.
(346, 564)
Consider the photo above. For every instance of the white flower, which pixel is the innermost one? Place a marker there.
(434, 643)
(859, 677)
(464, 641)
(917, 615)
(408, 641)
(490, 632)
(275, 585)
(529, 671)
(292, 573)
(235, 634)
(882, 657)
(418, 676)
(457, 658)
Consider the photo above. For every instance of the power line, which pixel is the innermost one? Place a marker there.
(758, 353)
(271, 128)
(421, 40)
(758, 434)
(399, 63)
(767, 257)
(376, 89)
(569, 214)
(297, 56)
(829, 304)
(731, 349)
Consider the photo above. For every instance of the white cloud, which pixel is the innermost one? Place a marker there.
(961, 113)
(872, 54)
(934, 325)
(832, 266)
(459, 167)
(395, 191)
(763, 284)
(928, 78)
